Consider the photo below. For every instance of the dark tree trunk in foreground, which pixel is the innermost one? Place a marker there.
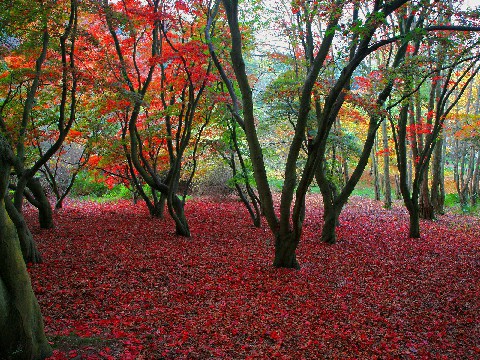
(21, 324)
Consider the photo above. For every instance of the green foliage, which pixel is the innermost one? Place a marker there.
(452, 202)
(119, 191)
(87, 185)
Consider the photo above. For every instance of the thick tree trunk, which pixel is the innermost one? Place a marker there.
(330, 222)
(45, 213)
(414, 225)
(21, 325)
(177, 212)
(285, 251)
(157, 207)
(27, 244)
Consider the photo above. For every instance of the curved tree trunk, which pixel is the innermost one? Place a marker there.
(27, 244)
(177, 212)
(45, 213)
(330, 212)
(21, 324)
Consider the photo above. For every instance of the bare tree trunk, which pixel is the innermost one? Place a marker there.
(376, 181)
(386, 167)
(398, 192)
(475, 181)
(438, 178)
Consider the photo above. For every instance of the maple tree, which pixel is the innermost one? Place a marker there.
(287, 228)
(462, 127)
(443, 98)
(163, 71)
(26, 90)
(21, 322)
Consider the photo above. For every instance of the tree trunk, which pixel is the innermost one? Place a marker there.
(157, 207)
(21, 324)
(330, 222)
(414, 225)
(45, 214)
(398, 192)
(425, 207)
(438, 179)
(376, 181)
(285, 248)
(475, 180)
(27, 244)
(386, 167)
(177, 212)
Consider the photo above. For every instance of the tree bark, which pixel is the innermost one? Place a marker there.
(45, 213)
(438, 178)
(414, 221)
(386, 167)
(475, 180)
(27, 244)
(21, 324)
(376, 181)
(285, 251)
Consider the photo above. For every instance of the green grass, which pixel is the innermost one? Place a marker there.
(452, 202)
(364, 192)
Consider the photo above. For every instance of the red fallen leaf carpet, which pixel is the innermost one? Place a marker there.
(117, 284)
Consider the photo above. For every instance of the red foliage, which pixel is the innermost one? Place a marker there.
(115, 274)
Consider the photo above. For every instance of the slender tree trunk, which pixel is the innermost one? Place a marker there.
(376, 181)
(438, 179)
(386, 167)
(398, 192)
(45, 213)
(475, 180)
(425, 206)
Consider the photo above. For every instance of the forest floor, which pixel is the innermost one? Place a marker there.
(117, 284)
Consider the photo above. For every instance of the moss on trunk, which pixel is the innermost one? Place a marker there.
(21, 323)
